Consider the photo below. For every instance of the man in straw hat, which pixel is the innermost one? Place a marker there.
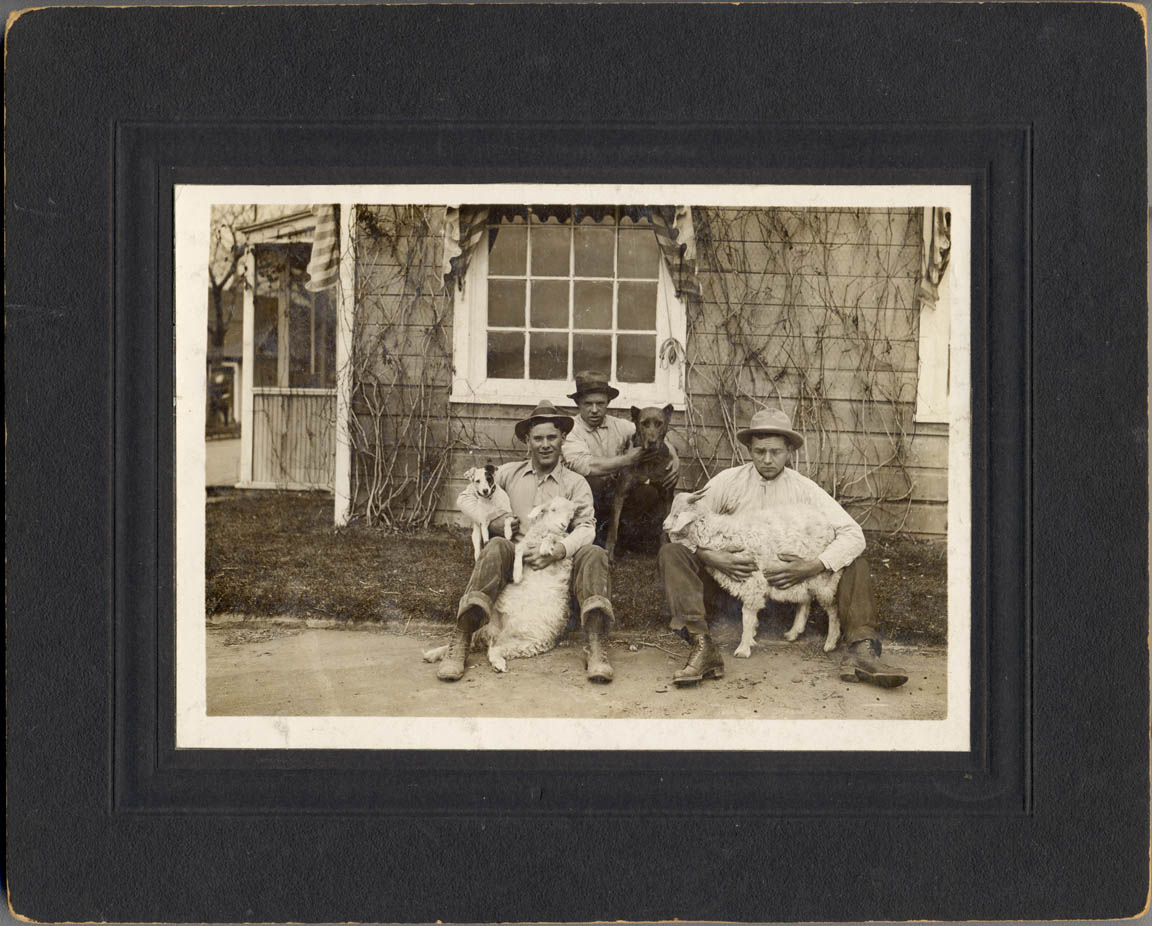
(764, 483)
(535, 481)
(600, 446)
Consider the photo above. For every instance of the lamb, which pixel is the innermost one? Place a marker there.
(531, 613)
(795, 529)
(482, 500)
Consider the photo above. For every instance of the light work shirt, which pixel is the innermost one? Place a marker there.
(526, 489)
(741, 490)
(583, 443)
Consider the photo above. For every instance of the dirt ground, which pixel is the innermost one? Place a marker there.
(263, 668)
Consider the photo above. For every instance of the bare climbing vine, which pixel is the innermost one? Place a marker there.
(800, 311)
(402, 425)
(804, 309)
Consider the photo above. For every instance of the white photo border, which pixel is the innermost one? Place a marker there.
(195, 729)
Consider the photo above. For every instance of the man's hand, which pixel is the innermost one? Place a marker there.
(794, 571)
(737, 564)
(671, 475)
(538, 560)
(631, 456)
(496, 525)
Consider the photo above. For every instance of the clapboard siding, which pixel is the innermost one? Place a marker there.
(811, 310)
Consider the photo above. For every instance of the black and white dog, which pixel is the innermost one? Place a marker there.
(482, 500)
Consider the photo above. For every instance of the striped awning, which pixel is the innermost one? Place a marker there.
(465, 226)
(324, 266)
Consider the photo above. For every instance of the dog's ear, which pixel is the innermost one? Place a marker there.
(470, 473)
(490, 469)
(636, 413)
(668, 409)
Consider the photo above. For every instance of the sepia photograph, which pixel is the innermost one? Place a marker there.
(573, 467)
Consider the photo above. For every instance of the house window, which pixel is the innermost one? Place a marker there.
(294, 331)
(559, 290)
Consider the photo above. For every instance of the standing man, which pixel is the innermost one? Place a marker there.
(600, 446)
(758, 486)
(533, 482)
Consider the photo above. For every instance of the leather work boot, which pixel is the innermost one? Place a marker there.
(596, 662)
(862, 663)
(452, 665)
(704, 661)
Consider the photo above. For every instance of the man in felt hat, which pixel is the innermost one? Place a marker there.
(531, 482)
(600, 446)
(764, 483)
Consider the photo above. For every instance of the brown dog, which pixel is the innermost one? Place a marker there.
(651, 429)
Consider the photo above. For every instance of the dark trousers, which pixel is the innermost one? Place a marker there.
(590, 581)
(641, 514)
(687, 583)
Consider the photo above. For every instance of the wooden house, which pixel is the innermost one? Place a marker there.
(455, 321)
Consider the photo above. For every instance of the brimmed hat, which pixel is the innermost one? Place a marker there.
(592, 381)
(545, 411)
(770, 421)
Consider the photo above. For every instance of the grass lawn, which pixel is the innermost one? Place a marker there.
(271, 553)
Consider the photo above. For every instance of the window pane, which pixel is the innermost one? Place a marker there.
(550, 245)
(638, 254)
(269, 269)
(264, 340)
(548, 356)
(636, 358)
(592, 352)
(505, 355)
(506, 303)
(509, 251)
(593, 305)
(636, 308)
(549, 303)
(325, 339)
(299, 338)
(594, 252)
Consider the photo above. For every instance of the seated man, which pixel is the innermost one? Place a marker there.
(600, 446)
(758, 486)
(533, 482)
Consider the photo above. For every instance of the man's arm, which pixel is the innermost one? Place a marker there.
(575, 453)
(735, 562)
(847, 544)
(578, 456)
(583, 521)
(848, 541)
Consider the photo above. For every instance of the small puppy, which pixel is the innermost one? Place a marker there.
(651, 430)
(482, 500)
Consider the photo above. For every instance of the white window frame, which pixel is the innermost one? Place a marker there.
(470, 346)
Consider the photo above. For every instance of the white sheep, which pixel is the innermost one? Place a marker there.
(796, 529)
(530, 614)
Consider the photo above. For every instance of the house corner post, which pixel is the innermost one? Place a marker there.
(345, 315)
(248, 361)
